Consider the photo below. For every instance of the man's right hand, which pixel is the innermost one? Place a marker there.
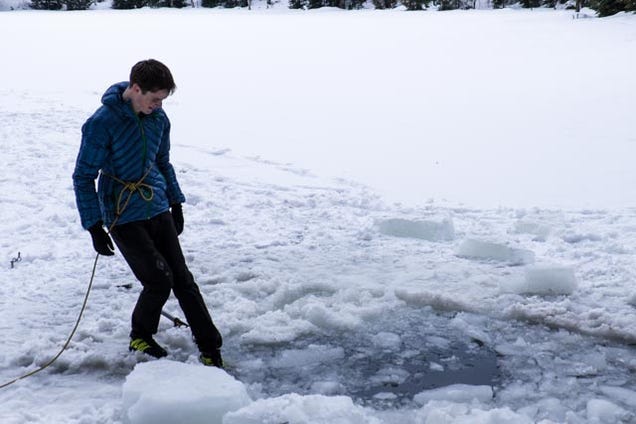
(101, 240)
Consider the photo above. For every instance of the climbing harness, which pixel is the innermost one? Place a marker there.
(146, 192)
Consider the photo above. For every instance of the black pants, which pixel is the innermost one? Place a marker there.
(154, 254)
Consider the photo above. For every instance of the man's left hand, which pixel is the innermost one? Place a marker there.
(177, 217)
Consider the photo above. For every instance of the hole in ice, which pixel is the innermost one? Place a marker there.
(384, 363)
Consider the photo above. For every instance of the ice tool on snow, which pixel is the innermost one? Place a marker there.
(176, 321)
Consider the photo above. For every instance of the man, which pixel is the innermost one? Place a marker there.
(127, 142)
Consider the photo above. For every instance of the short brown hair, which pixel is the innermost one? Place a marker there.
(152, 75)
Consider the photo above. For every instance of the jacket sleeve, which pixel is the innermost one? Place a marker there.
(90, 159)
(174, 193)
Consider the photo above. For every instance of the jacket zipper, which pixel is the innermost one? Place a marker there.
(144, 157)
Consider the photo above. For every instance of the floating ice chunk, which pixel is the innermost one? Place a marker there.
(385, 396)
(426, 230)
(461, 393)
(626, 396)
(440, 342)
(546, 280)
(387, 340)
(312, 355)
(601, 411)
(327, 387)
(297, 409)
(439, 301)
(472, 327)
(519, 347)
(324, 317)
(537, 229)
(459, 413)
(171, 392)
(478, 249)
(579, 238)
(632, 299)
(389, 376)
(434, 366)
(276, 327)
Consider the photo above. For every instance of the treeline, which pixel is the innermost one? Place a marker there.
(117, 4)
(602, 7)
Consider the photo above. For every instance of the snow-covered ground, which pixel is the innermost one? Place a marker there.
(379, 204)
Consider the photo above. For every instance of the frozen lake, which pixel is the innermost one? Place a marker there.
(294, 135)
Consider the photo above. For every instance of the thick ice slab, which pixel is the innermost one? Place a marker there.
(170, 392)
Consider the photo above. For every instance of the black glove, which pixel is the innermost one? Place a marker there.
(101, 241)
(177, 217)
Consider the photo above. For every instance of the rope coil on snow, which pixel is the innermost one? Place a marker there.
(146, 192)
(68, 340)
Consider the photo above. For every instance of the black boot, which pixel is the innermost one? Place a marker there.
(147, 346)
(211, 359)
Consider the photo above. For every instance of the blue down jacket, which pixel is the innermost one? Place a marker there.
(124, 147)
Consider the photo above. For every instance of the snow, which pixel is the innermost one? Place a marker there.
(392, 216)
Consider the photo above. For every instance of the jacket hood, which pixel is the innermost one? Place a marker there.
(113, 98)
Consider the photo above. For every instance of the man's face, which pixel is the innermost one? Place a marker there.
(147, 102)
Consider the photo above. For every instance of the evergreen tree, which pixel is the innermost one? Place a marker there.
(343, 4)
(46, 4)
(449, 4)
(529, 4)
(297, 4)
(230, 4)
(579, 5)
(129, 4)
(168, 3)
(61, 4)
(136, 4)
(354, 4)
(78, 4)
(415, 4)
(384, 4)
(610, 7)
